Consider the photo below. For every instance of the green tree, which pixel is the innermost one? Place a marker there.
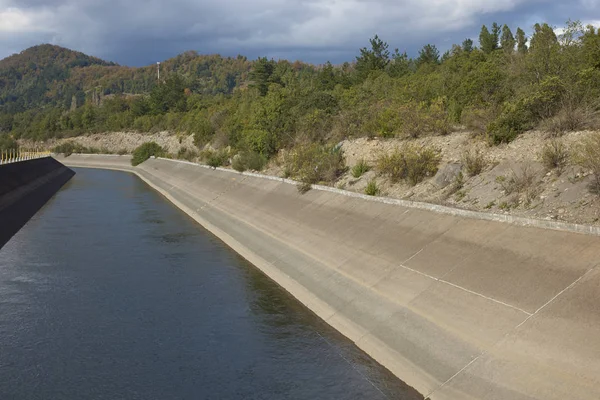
(374, 59)
(169, 96)
(544, 52)
(486, 40)
(261, 74)
(429, 54)
(467, 45)
(496, 30)
(521, 41)
(400, 65)
(507, 41)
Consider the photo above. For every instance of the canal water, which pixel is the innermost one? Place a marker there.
(111, 292)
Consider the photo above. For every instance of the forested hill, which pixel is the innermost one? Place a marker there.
(503, 85)
(52, 76)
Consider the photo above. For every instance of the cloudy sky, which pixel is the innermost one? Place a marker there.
(140, 32)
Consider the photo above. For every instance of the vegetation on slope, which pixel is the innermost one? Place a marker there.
(503, 87)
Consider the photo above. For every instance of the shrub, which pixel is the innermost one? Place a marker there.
(145, 151)
(372, 189)
(411, 163)
(66, 149)
(122, 152)
(523, 182)
(588, 156)
(238, 164)
(571, 119)
(248, 160)
(187, 154)
(473, 161)
(554, 155)
(360, 168)
(313, 163)
(514, 120)
(215, 158)
(477, 120)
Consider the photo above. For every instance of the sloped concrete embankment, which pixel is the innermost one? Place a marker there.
(24, 188)
(459, 308)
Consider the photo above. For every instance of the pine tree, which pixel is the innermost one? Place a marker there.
(261, 74)
(495, 35)
(429, 54)
(486, 40)
(400, 65)
(521, 41)
(374, 59)
(467, 45)
(507, 41)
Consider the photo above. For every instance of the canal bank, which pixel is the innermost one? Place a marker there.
(25, 186)
(456, 306)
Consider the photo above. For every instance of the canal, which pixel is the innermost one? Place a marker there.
(111, 292)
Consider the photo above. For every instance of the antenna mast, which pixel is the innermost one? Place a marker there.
(158, 69)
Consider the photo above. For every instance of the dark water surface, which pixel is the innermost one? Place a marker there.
(110, 292)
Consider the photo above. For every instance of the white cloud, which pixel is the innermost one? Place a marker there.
(14, 20)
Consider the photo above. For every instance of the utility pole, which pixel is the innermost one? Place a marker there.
(158, 69)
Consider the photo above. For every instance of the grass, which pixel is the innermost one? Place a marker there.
(372, 189)
(474, 162)
(360, 168)
(554, 155)
(588, 157)
(523, 182)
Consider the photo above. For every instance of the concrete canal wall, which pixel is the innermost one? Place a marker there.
(459, 307)
(25, 186)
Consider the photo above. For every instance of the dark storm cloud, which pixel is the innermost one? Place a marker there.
(138, 32)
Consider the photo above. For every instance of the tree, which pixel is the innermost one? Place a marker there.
(326, 77)
(591, 46)
(467, 45)
(374, 59)
(507, 41)
(261, 74)
(521, 41)
(495, 35)
(544, 52)
(486, 40)
(169, 96)
(400, 65)
(429, 54)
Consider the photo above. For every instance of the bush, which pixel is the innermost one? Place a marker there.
(313, 163)
(187, 154)
(554, 155)
(474, 162)
(218, 158)
(65, 149)
(360, 168)
(514, 120)
(523, 182)
(145, 151)
(570, 119)
(372, 189)
(248, 160)
(411, 163)
(588, 157)
(122, 152)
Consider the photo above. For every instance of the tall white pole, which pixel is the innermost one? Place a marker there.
(158, 68)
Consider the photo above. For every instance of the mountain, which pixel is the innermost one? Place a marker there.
(52, 76)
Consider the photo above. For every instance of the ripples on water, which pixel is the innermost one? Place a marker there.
(110, 292)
